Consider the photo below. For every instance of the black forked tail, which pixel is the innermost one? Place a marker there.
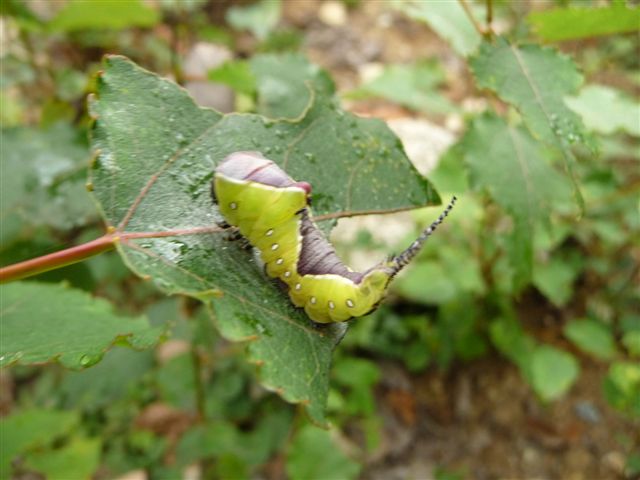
(400, 261)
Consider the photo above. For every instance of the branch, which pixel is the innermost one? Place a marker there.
(90, 249)
(57, 259)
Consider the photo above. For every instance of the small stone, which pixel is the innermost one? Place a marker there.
(333, 13)
(615, 461)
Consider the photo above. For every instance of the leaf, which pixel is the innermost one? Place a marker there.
(555, 277)
(359, 377)
(606, 110)
(553, 372)
(592, 337)
(162, 184)
(509, 338)
(31, 429)
(508, 163)
(176, 382)
(302, 457)
(43, 181)
(259, 18)
(631, 341)
(447, 19)
(573, 23)
(77, 459)
(108, 381)
(288, 85)
(535, 81)
(237, 75)
(103, 14)
(46, 322)
(426, 283)
(622, 387)
(222, 438)
(412, 86)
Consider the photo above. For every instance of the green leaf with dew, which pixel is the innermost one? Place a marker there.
(156, 152)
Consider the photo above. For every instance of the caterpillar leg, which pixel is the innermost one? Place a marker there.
(241, 241)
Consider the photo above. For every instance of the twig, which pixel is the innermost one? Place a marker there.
(467, 10)
(489, 28)
(359, 213)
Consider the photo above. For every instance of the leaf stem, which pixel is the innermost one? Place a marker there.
(108, 241)
(78, 253)
(467, 10)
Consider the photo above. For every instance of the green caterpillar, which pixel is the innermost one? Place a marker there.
(271, 211)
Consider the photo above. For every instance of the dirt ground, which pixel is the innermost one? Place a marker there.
(482, 421)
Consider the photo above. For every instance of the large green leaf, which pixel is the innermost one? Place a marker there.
(512, 166)
(156, 151)
(43, 181)
(45, 322)
(572, 23)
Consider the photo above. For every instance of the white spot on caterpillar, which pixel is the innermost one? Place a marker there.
(332, 305)
(313, 300)
(287, 274)
(350, 303)
(274, 246)
(298, 286)
(269, 232)
(233, 205)
(279, 261)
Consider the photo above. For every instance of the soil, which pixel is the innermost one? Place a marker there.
(482, 421)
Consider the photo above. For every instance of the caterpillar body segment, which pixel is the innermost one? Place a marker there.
(272, 211)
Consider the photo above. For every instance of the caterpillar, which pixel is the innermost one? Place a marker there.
(272, 212)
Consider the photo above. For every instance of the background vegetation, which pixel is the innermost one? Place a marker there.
(510, 348)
